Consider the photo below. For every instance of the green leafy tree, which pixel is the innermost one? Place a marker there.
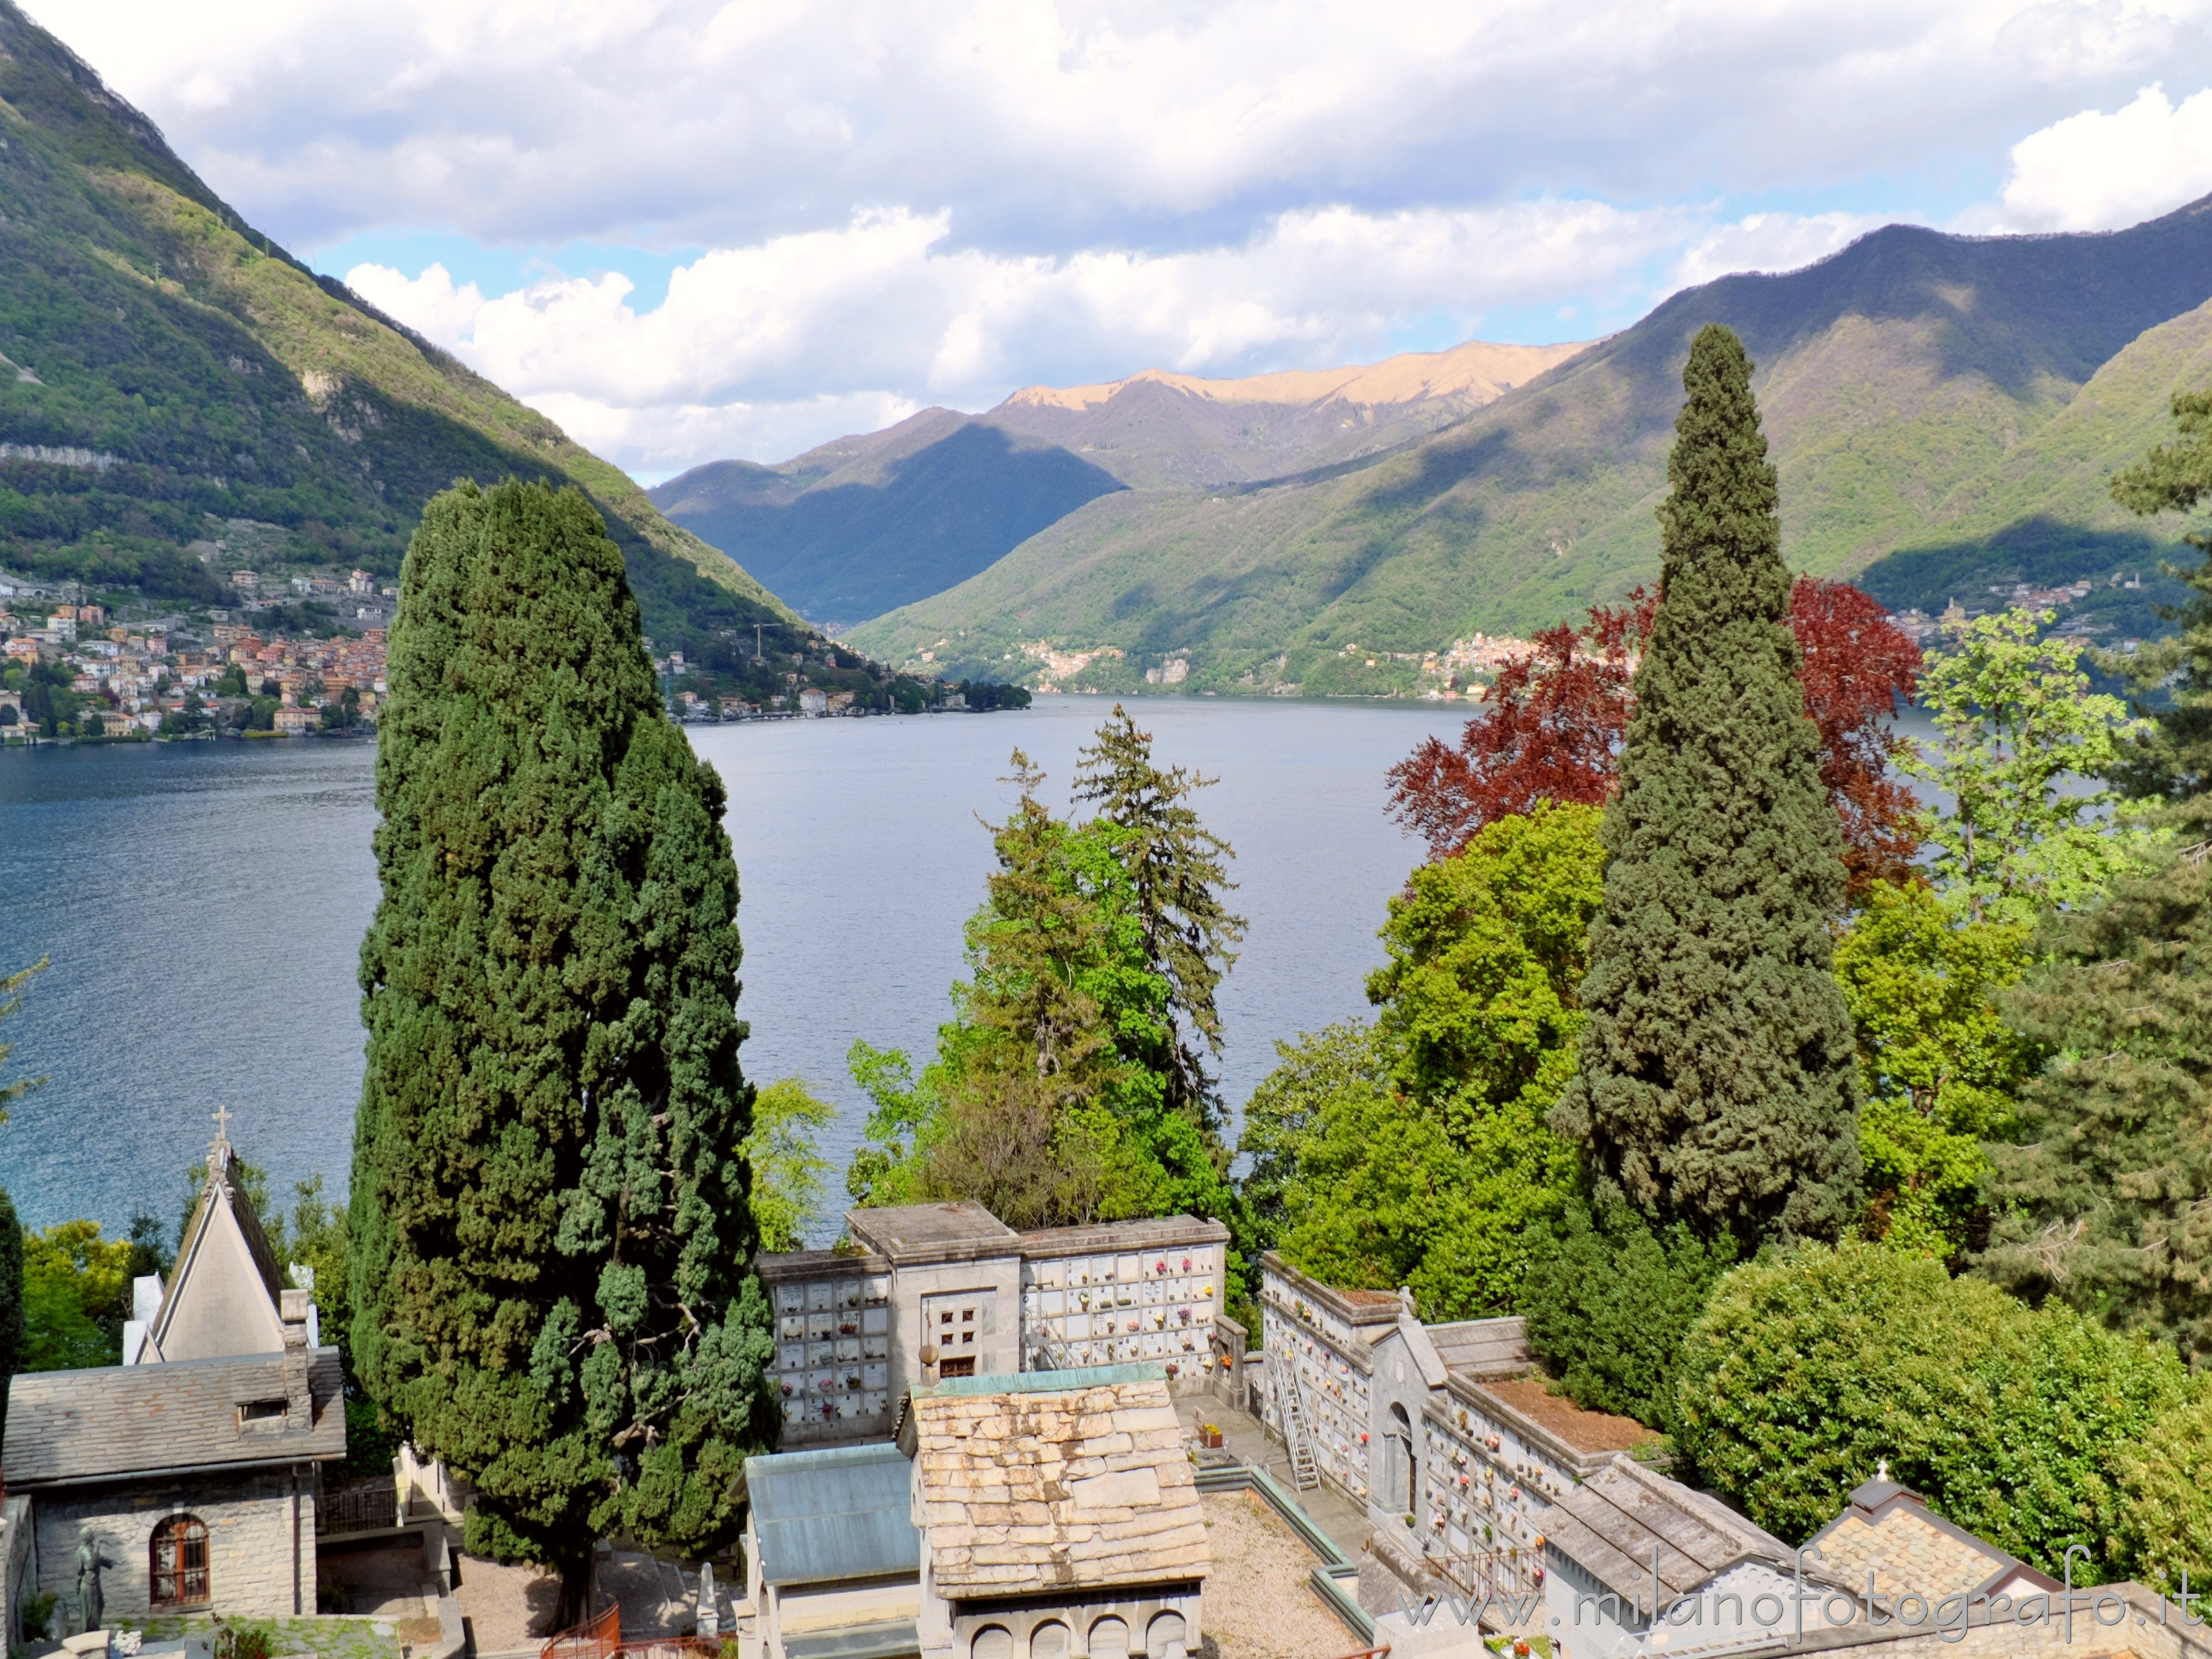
(2015, 718)
(787, 1161)
(2163, 1487)
(2106, 1200)
(2171, 678)
(1805, 1373)
(1941, 1066)
(1716, 1082)
(1290, 1107)
(1048, 1100)
(1417, 1153)
(11, 1003)
(1610, 1300)
(1178, 871)
(548, 1234)
(76, 1294)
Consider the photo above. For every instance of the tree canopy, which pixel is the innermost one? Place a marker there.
(550, 1234)
(1805, 1373)
(1415, 1152)
(1716, 1082)
(2017, 727)
(2171, 678)
(2101, 1196)
(1554, 719)
(1070, 1087)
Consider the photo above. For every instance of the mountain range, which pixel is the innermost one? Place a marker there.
(1943, 410)
(864, 525)
(170, 376)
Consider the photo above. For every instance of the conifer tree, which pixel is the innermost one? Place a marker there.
(2171, 678)
(11, 1298)
(1178, 869)
(549, 1230)
(1715, 1084)
(2104, 1196)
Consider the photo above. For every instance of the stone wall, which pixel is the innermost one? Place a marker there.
(261, 1541)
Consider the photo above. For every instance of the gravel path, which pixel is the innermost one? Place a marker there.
(1258, 1604)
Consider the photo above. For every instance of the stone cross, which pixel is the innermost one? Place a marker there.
(710, 1615)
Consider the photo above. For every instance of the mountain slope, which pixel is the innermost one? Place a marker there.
(866, 524)
(857, 527)
(168, 365)
(1157, 430)
(1896, 377)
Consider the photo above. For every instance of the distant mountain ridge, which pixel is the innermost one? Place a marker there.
(1920, 390)
(213, 378)
(865, 524)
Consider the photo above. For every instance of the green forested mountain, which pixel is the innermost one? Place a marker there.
(1941, 408)
(168, 370)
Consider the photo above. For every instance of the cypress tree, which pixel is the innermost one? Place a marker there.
(11, 1298)
(1715, 1084)
(548, 1227)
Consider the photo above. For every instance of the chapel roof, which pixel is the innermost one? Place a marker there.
(119, 1420)
(1890, 1532)
(1055, 1480)
(225, 1296)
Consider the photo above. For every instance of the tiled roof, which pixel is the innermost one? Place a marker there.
(1890, 1531)
(136, 1419)
(1066, 1488)
(1612, 1524)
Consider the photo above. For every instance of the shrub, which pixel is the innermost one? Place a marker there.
(1805, 1372)
(2164, 1495)
(1609, 1305)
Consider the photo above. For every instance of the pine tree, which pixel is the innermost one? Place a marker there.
(2171, 678)
(2107, 1199)
(1179, 870)
(1715, 1084)
(549, 1225)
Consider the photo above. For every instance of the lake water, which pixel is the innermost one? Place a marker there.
(202, 905)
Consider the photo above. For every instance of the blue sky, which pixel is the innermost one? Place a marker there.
(690, 229)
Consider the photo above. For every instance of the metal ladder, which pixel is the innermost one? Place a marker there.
(1305, 1472)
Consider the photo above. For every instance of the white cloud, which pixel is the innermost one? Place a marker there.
(918, 201)
(2099, 171)
(428, 304)
(1770, 241)
(805, 334)
(1051, 125)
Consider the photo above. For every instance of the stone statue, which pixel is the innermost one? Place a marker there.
(90, 1600)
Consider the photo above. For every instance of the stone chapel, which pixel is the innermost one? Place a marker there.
(184, 1481)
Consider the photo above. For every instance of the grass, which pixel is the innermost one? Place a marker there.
(325, 1637)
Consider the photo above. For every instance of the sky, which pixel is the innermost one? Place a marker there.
(692, 231)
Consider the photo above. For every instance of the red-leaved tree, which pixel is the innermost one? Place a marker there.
(1552, 727)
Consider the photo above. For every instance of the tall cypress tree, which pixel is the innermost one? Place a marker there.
(12, 1331)
(1715, 1082)
(550, 1233)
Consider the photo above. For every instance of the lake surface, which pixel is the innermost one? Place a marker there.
(203, 903)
